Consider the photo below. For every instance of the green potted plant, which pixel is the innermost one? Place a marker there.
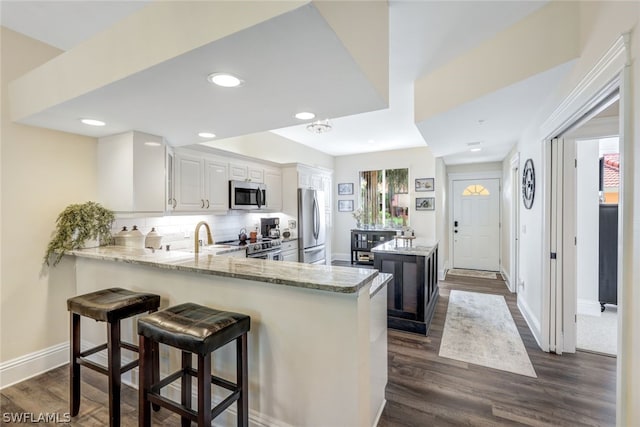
(76, 225)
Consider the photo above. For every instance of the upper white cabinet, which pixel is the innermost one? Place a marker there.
(240, 171)
(131, 172)
(216, 185)
(189, 182)
(305, 177)
(273, 182)
(201, 183)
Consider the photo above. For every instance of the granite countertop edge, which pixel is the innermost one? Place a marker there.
(379, 282)
(209, 264)
(418, 247)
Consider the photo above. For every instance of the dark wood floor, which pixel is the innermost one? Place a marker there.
(423, 389)
(427, 390)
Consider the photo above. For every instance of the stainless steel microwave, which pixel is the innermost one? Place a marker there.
(247, 195)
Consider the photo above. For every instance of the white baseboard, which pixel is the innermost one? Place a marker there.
(532, 322)
(443, 272)
(340, 257)
(507, 279)
(379, 414)
(30, 365)
(590, 308)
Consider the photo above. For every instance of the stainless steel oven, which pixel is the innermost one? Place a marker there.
(272, 255)
(247, 195)
(263, 249)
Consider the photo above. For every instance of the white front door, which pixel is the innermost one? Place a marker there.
(476, 224)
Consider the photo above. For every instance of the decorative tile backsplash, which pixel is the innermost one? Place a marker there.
(177, 230)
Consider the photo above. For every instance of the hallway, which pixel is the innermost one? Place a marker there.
(427, 390)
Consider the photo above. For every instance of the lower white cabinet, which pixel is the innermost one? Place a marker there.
(290, 250)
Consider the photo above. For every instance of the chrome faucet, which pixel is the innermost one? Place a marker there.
(196, 234)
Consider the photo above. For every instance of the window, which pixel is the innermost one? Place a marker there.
(385, 197)
(475, 190)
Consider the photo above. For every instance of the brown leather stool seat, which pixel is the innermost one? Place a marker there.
(110, 306)
(200, 330)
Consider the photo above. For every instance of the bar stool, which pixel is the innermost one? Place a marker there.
(193, 328)
(107, 305)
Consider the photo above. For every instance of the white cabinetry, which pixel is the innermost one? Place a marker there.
(216, 185)
(201, 183)
(273, 182)
(290, 250)
(305, 177)
(246, 172)
(131, 172)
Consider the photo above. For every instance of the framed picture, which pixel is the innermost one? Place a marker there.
(345, 189)
(425, 184)
(425, 203)
(345, 205)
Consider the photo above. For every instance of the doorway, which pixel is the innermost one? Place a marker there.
(584, 233)
(476, 224)
(597, 195)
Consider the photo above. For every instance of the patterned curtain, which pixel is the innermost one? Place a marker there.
(370, 194)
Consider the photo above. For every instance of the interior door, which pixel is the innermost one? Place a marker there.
(476, 224)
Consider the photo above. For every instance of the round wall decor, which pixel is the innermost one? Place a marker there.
(528, 184)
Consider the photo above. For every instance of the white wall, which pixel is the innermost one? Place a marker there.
(475, 167)
(508, 203)
(602, 23)
(43, 171)
(421, 164)
(531, 232)
(587, 226)
(274, 148)
(442, 217)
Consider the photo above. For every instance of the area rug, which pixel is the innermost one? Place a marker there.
(479, 329)
(472, 273)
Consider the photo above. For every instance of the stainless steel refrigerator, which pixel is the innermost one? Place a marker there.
(311, 225)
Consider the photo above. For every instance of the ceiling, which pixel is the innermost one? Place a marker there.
(423, 35)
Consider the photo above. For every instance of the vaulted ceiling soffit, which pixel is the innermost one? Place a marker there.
(541, 43)
(149, 71)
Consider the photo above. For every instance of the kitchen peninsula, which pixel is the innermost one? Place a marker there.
(413, 293)
(318, 342)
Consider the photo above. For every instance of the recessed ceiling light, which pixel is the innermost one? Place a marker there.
(476, 149)
(206, 135)
(224, 80)
(152, 144)
(93, 122)
(305, 116)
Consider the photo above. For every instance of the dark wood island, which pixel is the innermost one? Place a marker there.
(413, 293)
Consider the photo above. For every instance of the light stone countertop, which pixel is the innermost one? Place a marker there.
(321, 277)
(379, 283)
(419, 247)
